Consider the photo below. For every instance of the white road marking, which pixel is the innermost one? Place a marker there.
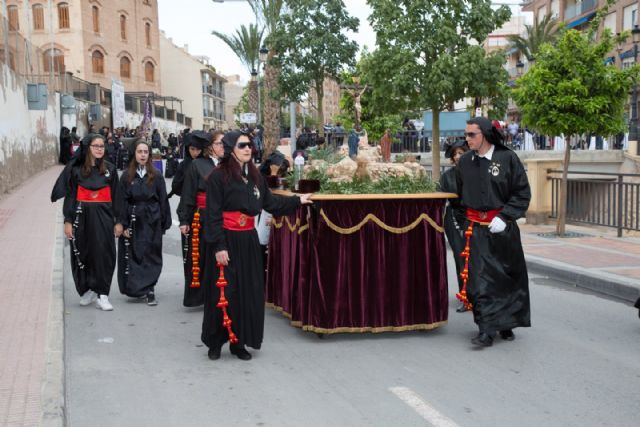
(423, 409)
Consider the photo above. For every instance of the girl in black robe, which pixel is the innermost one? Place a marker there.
(236, 193)
(191, 216)
(492, 182)
(144, 216)
(89, 184)
(454, 216)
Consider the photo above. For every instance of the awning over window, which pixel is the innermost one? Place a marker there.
(580, 21)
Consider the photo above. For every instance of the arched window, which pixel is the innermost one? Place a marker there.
(97, 62)
(38, 17)
(148, 72)
(63, 15)
(58, 61)
(11, 59)
(14, 22)
(147, 33)
(123, 27)
(96, 19)
(125, 68)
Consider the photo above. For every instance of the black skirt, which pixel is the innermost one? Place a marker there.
(93, 249)
(498, 284)
(245, 292)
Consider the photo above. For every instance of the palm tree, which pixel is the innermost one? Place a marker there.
(270, 12)
(246, 43)
(536, 35)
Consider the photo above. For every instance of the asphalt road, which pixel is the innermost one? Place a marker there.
(579, 365)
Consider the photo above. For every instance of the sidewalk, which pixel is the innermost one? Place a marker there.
(593, 258)
(31, 328)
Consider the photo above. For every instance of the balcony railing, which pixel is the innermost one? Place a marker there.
(577, 9)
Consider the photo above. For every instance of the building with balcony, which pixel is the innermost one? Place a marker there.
(96, 40)
(233, 92)
(195, 81)
(213, 97)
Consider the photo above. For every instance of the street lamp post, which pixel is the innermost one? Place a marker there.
(262, 58)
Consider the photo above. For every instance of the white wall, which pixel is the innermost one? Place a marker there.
(28, 138)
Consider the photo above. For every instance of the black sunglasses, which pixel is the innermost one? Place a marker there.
(243, 145)
(471, 134)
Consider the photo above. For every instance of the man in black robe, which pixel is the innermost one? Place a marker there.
(493, 186)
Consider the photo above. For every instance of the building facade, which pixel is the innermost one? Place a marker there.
(193, 80)
(95, 40)
(233, 91)
(622, 16)
(330, 101)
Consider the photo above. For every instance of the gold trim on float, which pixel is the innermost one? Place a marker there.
(375, 330)
(291, 227)
(378, 221)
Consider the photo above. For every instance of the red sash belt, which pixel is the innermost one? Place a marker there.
(237, 221)
(201, 199)
(86, 195)
(482, 217)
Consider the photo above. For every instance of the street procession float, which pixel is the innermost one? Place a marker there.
(368, 255)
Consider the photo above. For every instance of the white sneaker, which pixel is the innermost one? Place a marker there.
(88, 298)
(103, 303)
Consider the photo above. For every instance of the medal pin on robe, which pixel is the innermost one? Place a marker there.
(494, 169)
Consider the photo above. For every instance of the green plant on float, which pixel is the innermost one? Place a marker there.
(386, 185)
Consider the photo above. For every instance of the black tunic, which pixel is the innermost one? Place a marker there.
(194, 182)
(454, 219)
(498, 285)
(93, 248)
(245, 272)
(144, 210)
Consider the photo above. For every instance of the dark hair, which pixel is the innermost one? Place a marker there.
(231, 167)
(489, 131)
(88, 158)
(133, 164)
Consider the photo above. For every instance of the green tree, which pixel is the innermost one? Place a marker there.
(570, 91)
(312, 44)
(535, 36)
(246, 43)
(429, 55)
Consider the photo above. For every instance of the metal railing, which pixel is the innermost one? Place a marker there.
(410, 141)
(604, 199)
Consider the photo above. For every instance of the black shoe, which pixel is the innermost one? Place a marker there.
(461, 308)
(507, 335)
(214, 353)
(240, 352)
(151, 299)
(483, 339)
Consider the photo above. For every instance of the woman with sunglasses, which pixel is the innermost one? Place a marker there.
(236, 193)
(143, 217)
(89, 184)
(191, 211)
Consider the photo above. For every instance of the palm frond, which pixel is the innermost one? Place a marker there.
(245, 43)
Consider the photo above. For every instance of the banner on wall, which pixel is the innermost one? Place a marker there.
(117, 104)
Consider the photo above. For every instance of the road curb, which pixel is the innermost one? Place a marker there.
(52, 395)
(621, 288)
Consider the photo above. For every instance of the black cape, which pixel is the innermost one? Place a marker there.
(245, 272)
(194, 182)
(93, 248)
(498, 284)
(144, 210)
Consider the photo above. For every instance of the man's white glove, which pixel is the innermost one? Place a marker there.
(497, 225)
